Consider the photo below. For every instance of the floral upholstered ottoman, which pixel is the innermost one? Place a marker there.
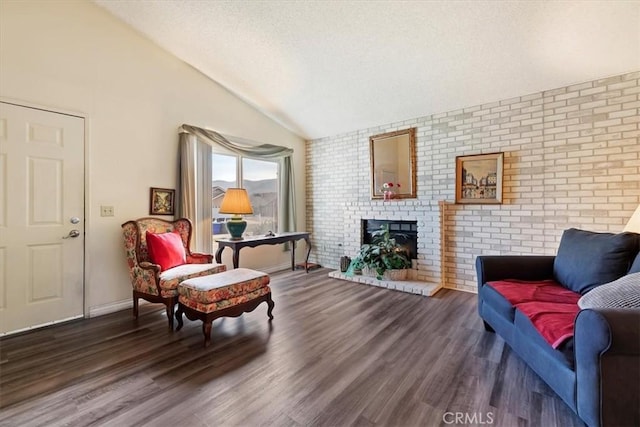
(226, 294)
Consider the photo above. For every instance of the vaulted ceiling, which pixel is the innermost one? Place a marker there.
(321, 68)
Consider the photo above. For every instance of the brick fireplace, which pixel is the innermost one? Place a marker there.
(424, 214)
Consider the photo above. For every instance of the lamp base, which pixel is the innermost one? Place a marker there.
(236, 227)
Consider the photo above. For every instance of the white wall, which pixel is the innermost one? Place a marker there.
(74, 56)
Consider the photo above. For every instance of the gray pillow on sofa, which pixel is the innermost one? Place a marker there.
(587, 259)
(621, 293)
(635, 267)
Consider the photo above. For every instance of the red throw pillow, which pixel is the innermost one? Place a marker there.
(166, 249)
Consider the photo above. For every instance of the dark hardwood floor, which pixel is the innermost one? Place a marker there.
(337, 353)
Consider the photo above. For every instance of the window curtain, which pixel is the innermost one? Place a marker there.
(194, 189)
(286, 208)
(191, 140)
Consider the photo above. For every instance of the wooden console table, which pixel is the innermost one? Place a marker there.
(253, 241)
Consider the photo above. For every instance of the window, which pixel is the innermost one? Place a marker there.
(259, 178)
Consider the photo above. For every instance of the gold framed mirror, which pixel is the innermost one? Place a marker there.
(393, 164)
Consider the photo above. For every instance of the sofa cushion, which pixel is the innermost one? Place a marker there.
(520, 291)
(621, 293)
(587, 259)
(550, 307)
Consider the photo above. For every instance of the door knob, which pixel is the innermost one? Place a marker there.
(72, 233)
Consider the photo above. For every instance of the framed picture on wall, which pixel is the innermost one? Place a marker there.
(161, 201)
(479, 178)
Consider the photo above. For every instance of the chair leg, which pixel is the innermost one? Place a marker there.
(135, 305)
(170, 305)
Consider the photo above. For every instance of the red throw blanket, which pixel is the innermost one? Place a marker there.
(551, 308)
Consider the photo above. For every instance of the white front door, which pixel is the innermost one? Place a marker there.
(41, 203)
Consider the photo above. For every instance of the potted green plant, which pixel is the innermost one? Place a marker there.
(382, 255)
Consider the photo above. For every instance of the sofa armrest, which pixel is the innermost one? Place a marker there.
(607, 360)
(521, 267)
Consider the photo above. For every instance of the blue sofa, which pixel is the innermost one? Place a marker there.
(597, 371)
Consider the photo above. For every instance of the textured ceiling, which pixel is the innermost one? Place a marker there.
(325, 67)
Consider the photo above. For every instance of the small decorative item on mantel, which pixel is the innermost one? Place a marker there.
(389, 190)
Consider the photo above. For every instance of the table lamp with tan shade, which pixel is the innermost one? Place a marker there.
(634, 222)
(236, 202)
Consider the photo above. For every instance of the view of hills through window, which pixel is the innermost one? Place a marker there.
(260, 179)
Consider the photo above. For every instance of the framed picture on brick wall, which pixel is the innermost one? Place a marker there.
(479, 178)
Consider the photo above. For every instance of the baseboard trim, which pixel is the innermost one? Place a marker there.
(275, 269)
(461, 290)
(111, 307)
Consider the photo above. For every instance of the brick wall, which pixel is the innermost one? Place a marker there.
(572, 159)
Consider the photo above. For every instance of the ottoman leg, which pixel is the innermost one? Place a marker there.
(206, 330)
(179, 317)
(271, 304)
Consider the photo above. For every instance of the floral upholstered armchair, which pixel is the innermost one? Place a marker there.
(150, 281)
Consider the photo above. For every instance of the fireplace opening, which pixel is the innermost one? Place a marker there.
(405, 233)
